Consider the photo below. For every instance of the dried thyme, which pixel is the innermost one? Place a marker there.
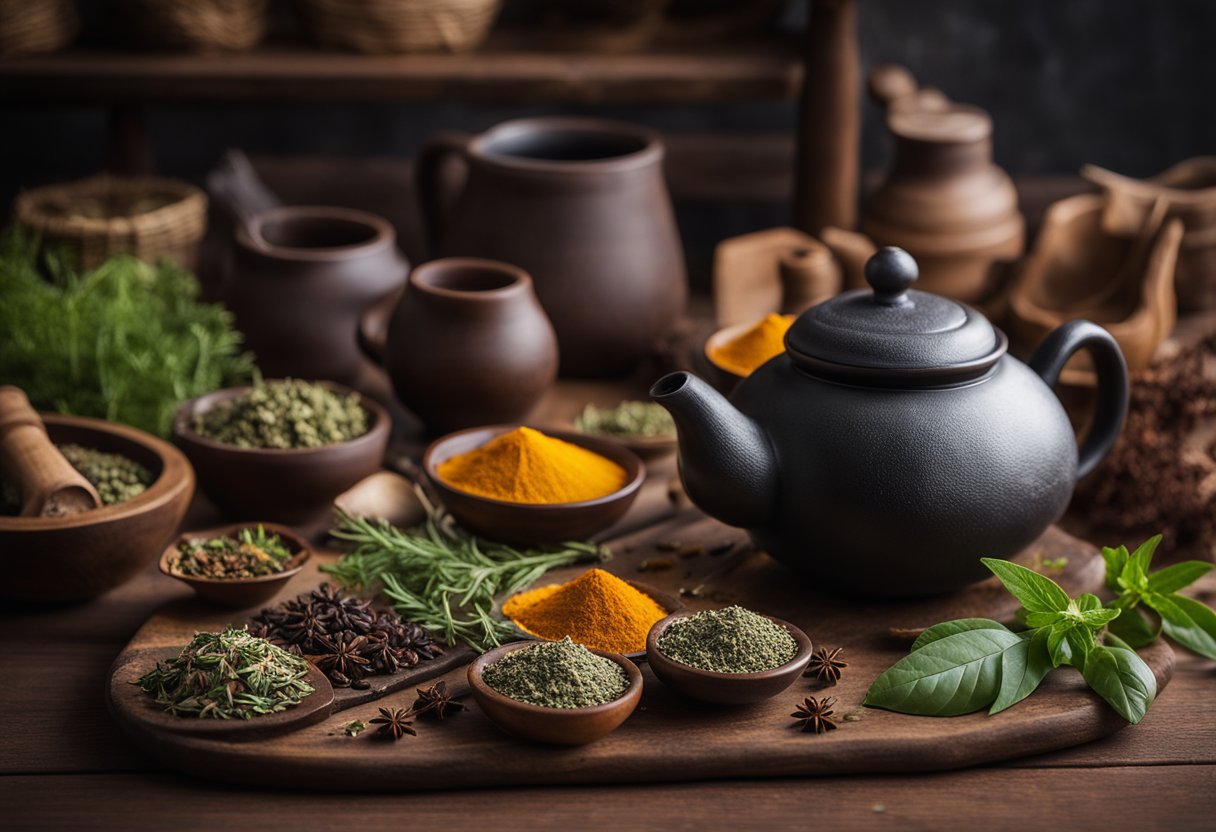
(730, 640)
(557, 674)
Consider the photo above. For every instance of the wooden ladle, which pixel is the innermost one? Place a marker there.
(48, 484)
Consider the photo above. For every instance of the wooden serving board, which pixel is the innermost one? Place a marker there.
(667, 738)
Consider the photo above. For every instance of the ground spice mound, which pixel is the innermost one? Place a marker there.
(730, 640)
(743, 354)
(597, 609)
(557, 674)
(527, 466)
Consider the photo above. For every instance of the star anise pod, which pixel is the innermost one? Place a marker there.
(395, 723)
(436, 701)
(384, 657)
(825, 665)
(815, 715)
(342, 660)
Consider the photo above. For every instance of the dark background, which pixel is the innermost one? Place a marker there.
(1127, 85)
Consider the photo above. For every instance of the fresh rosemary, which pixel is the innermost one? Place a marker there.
(442, 577)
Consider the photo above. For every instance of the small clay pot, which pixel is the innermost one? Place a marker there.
(302, 276)
(286, 486)
(469, 344)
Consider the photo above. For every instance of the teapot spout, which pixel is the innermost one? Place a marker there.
(727, 464)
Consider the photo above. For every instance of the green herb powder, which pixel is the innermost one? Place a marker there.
(644, 420)
(285, 415)
(251, 554)
(228, 675)
(557, 674)
(731, 640)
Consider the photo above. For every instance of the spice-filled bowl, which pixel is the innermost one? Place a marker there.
(517, 521)
(553, 725)
(286, 485)
(645, 428)
(726, 688)
(243, 545)
(83, 555)
(733, 353)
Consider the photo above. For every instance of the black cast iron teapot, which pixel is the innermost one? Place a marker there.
(894, 443)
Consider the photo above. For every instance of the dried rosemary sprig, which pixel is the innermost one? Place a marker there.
(226, 675)
(442, 577)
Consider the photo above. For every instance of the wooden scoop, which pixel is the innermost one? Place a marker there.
(48, 484)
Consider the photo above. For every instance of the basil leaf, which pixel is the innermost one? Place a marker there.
(1022, 670)
(1080, 644)
(1115, 559)
(1135, 571)
(1097, 619)
(1186, 621)
(953, 675)
(1134, 628)
(1088, 601)
(959, 625)
(1035, 620)
(1057, 647)
(1121, 678)
(1037, 593)
(1173, 578)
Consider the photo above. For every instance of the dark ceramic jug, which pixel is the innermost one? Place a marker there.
(894, 443)
(469, 344)
(581, 205)
(302, 275)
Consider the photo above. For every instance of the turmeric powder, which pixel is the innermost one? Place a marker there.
(527, 466)
(596, 609)
(744, 353)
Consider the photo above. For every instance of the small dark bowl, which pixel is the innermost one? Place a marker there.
(669, 603)
(726, 688)
(239, 593)
(558, 726)
(287, 486)
(83, 555)
(527, 522)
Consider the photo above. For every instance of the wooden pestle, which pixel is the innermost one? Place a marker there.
(48, 484)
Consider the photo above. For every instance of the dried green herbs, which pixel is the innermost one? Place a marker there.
(638, 420)
(442, 577)
(557, 674)
(284, 415)
(127, 341)
(115, 477)
(228, 675)
(254, 552)
(345, 637)
(730, 640)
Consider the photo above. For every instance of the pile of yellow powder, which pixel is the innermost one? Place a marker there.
(745, 352)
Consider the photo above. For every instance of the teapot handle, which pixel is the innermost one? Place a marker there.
(437, 190)
(1051, 356)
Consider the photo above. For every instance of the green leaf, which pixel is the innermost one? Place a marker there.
(1097, 619)
(1022, 670)
(949, 628)
(1037, 620)
(1088, 601)
(1057, 647)
(1036, 592)
(1115, 559)
(1186, 621)
(1080, 645)
(953, 675)
(1121, 678)
(1134, 628)
(1135, 571)
(1173, 578)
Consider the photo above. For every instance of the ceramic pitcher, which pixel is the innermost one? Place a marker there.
(302, 275)
(581, 205)
(469, 344)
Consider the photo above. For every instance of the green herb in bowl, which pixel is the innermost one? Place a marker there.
(628, 420)
(283, 415)
(252, 553)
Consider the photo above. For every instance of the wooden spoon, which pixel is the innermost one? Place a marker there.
(48, 484)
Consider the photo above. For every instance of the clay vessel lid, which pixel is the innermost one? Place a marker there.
(892, 333)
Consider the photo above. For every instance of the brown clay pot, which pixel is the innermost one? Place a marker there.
(944, 201)
(469, 343)
(302, 275)
(581, 205)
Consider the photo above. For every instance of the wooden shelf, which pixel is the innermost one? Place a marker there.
(509, 68)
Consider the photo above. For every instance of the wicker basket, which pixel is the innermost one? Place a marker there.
(198, 25)
(31, 26)
(103, 215)
(394, 26)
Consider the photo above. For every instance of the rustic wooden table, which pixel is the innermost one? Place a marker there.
(64, 765)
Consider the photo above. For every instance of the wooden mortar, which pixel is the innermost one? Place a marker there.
(48, 484)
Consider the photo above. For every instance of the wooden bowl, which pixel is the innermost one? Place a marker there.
(528, 523)
(670, 603)
(239, 593)
(721, 378)
(726, 688)
(287, 486)
(81, 556)
(559, 726)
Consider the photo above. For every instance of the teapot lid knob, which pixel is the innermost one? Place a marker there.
(890, 273)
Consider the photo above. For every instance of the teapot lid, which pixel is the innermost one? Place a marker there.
(894, 334)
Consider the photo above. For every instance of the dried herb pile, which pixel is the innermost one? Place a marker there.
(557, 674)
(641, 420)
(346, 637)
(115, 477)
(283, 415)
(254, 552)
(127, 341)
(730, 640)
(228, 675)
